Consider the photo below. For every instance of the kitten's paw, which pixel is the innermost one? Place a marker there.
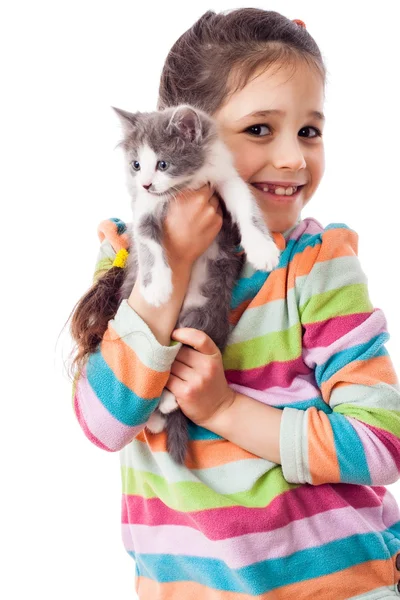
(159, 291)
(156, 423)
(261, 251)
(168, 402)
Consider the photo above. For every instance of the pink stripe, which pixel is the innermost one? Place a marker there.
(309, 226)
(326, 332)
(298, 535)
(372, 325)
(280, 374)
(390, 514)
(303, 388)
(221, 523)
(84, 427)
(384, 458)
(107, 429)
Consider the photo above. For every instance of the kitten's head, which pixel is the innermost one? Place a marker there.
(164, 149)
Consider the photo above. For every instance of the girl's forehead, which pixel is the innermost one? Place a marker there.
(299, 87)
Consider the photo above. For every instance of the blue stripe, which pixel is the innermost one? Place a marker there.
(265, 576)
(337, 361)
(121, 226)
(118, 399)
(338, 226)
(353, 465)
(197, 433)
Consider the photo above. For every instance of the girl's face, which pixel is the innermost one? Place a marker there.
(277, 147)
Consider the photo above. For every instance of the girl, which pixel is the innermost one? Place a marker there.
(295, 429)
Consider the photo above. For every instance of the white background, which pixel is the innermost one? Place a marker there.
(63, 65)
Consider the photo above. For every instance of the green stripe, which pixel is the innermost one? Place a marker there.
(229, 478)
(388, 420)
(276, 346)
(271, 317)
(329, 275)
(188, 496)
(336, 303)
(102, 267)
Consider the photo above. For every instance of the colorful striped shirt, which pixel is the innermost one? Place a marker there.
(229, 525)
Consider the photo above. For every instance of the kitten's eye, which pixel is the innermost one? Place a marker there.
(162, 165)
(135, 165)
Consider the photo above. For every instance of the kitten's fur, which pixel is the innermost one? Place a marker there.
(186, 139)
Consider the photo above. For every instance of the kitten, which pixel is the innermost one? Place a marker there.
(168, 151)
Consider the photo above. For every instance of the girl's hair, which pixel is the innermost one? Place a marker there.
(91, 314)
(201, 69)
(232, 45)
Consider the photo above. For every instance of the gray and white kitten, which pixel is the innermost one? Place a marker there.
(168, 151)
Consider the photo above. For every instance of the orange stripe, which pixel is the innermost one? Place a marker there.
(275, 288)
(278, 284)
(322, 458)
(129, 369)
(362, 372)
(335, 243)
(347, 583)
(202, 454)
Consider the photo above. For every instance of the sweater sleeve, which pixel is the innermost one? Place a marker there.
(121, 383)
(355, 437)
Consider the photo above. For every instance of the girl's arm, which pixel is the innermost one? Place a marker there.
(121, 383)
(356, 438)
(246, 415)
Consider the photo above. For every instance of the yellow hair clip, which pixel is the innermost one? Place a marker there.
(120, 258)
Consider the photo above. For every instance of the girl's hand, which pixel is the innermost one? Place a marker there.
(192, 223)
(197, 377)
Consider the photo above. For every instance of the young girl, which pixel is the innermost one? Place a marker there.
(295, 429)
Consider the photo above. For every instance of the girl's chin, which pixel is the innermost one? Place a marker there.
(280, 221)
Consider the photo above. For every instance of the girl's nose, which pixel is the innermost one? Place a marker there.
(288, 153)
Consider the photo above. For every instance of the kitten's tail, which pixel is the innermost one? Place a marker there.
(177, 435)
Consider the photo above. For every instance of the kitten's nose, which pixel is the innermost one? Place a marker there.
(146, 187)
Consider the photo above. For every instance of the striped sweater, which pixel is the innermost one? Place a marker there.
(229, 525)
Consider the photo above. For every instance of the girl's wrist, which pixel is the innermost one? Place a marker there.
(181, 265)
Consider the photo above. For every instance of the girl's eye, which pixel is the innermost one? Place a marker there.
(162, 165)
(318, 132)
(256, 128)
(135, 165)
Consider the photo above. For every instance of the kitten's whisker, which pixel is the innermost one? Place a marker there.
(177, 190)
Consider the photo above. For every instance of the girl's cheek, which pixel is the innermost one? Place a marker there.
(250, 162)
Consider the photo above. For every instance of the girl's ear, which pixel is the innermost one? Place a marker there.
(186, 121)
(129, 120)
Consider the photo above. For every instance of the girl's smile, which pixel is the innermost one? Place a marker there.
(269, 195)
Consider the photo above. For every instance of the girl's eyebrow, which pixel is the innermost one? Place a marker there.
(265, 113)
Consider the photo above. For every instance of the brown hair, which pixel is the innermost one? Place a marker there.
(91, 314)
(201, 69)
(219, 48)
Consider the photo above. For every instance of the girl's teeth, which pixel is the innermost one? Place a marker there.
(280, 191)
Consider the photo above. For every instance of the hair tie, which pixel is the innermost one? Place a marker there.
(120, 258)
(299, 22)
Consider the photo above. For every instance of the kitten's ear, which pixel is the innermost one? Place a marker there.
(187, 122)
(128, 120)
